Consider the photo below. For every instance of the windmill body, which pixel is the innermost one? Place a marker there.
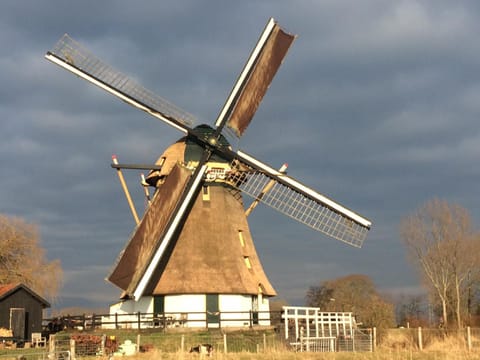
(211, 264)
(192, 253)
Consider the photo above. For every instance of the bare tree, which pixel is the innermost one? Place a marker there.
(353, 293)
(413, 310)
(464, 262)
(320, 296)
(440, 240)
(23, 260)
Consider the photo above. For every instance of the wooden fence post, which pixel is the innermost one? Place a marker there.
(225, 350)
(72, 349)
(102, 345)
(374, 339)
(264, 342)
(301, 339)
(469, 339)
(420, 341)
(138, 320)
(182, 343)
(51, 344)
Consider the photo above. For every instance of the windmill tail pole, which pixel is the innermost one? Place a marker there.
(125, 190)
(266, 189)
(145, 188)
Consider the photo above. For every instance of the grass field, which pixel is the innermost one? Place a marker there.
(396, 344)
(379, 355)
(436, 352)
(394, 347)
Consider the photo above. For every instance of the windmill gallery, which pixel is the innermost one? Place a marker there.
(197, 211)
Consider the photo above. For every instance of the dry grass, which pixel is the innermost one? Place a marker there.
(383, 354)
(397, 344)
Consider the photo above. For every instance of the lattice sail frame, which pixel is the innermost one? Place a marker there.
(300, 207)
(71, 52)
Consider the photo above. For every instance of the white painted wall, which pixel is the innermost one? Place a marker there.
(127, 311)
(189, 308)
(235, 310)
(145, 304)
(264, 308)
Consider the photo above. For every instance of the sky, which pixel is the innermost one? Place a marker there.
(377, 106)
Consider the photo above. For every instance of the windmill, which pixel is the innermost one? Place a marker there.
(192, 251)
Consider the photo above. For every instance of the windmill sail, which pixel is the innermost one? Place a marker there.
(179, 206)
(70, 55)
(299, 202)
(175, 223)
(132, 262)
(254, 80)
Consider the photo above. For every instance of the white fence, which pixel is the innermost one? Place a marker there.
(309, 329)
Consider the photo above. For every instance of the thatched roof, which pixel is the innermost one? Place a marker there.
(209, 255)
(167, 160)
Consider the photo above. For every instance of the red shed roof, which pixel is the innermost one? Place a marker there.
(7, 289)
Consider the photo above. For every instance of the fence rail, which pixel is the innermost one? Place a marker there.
(163, 320)
(431, 338)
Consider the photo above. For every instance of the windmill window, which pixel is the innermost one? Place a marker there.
(162, 161)
(206, 193)
(247, 262)
(240, 236)
(261, 289)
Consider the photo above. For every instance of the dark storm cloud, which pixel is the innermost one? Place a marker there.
(376, 105)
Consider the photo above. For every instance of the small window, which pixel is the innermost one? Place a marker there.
(206, 193)
(261, 289)
(247, 262)
(240, 236)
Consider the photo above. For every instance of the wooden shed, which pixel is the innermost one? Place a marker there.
(21, 310)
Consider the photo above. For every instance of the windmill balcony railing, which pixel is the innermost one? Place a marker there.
(163, 320)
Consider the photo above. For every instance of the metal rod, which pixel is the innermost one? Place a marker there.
(125, 190)
(136, 166)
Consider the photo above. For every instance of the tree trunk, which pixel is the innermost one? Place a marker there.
(458, 303)
(444, 311)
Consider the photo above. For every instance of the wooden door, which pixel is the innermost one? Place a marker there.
(17, 322)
